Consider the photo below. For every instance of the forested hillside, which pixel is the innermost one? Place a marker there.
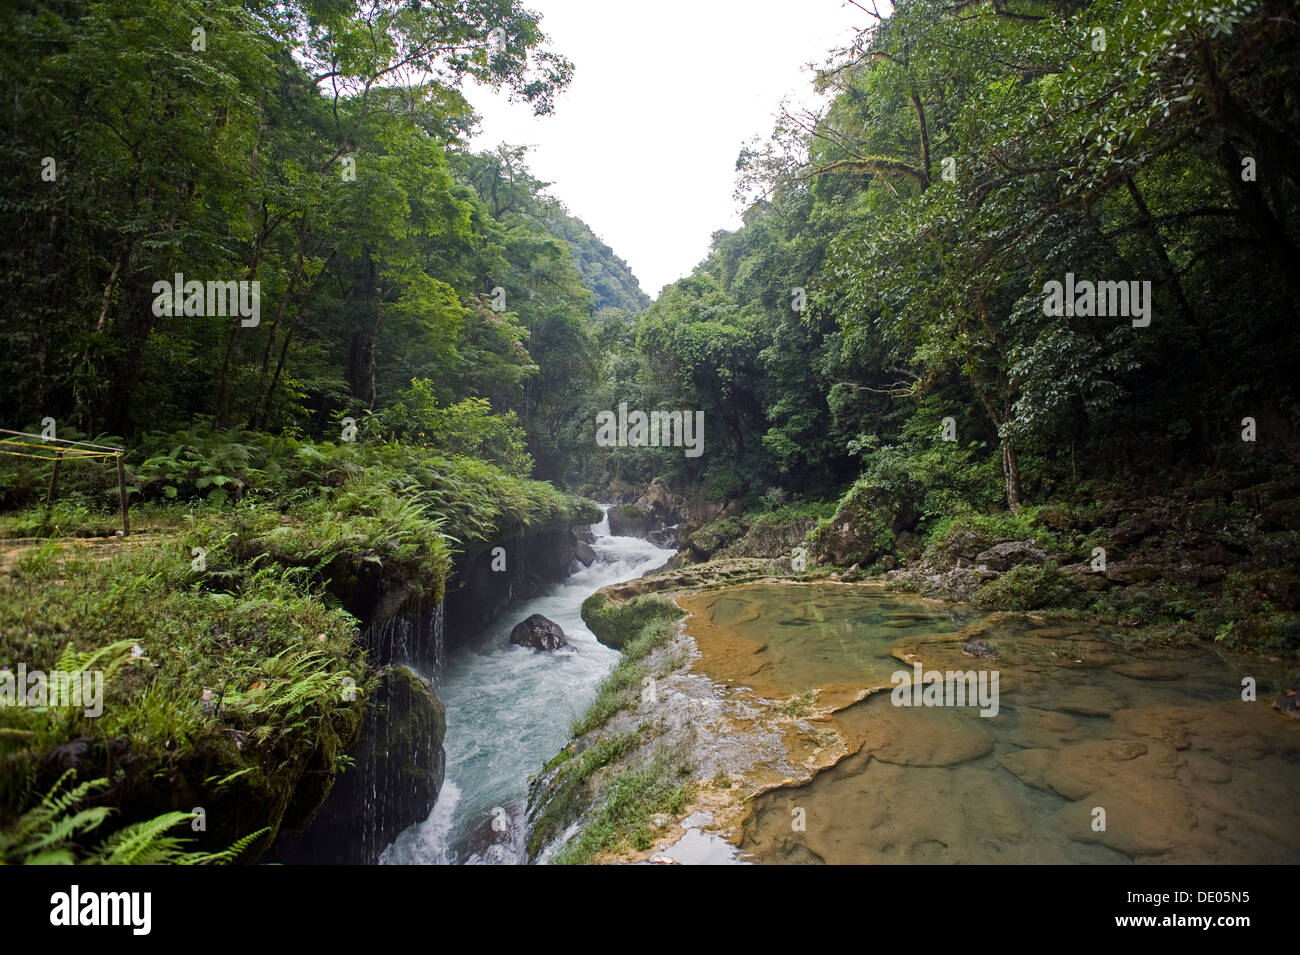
(891, 271)
(149, 140)
(1028, 254)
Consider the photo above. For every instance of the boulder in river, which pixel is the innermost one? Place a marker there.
(539, 633)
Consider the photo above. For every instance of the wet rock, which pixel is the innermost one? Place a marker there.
(1147, 671)
(630, 520)
(494, 834)
(400, 764)
(655, 515)
(658, 499)
(479, 587)
(979, 648)
(908, 736)
(539, 633)
(666, 536)
(584, 553)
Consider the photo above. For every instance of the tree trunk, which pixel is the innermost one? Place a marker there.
(1011, 471)
(361, 353)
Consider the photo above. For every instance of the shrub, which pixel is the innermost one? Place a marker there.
(1028, 588)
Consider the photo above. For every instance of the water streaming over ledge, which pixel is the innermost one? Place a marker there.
(508, 711)
(414, 637)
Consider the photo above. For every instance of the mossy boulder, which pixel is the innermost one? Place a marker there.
(772, 536)
(614, 624)
(1028, 587)
(630, 520)
(397, 772)
(864, 527)
(706, 541)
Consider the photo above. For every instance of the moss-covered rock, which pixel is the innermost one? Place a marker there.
(1028, 587)
(863, 528)
(398, 770)
(616, 624)
(704, 542)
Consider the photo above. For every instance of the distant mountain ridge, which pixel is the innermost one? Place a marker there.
(609, 278)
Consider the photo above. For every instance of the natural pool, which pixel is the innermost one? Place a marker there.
(1159, 741)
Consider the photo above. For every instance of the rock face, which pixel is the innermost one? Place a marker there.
(399, 769)
(539, 633)
(656, 515)
(512, 567)
(1002, 557)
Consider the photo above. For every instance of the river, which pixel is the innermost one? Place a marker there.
(509, 709)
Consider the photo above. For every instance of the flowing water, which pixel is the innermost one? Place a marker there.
(508, 711)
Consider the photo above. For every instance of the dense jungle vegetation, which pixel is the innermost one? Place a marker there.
(437, 333)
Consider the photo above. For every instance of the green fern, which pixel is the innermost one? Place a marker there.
(50, 834)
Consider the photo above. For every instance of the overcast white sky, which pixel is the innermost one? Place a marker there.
(643, 144)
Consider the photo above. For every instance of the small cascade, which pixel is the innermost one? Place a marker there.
(415, 636)
(439, 637)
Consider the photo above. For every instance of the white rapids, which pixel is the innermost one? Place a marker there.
(508, 711)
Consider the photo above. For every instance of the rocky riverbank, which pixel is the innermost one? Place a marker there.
(1124, 572)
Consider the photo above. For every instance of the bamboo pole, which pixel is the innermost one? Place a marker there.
(54, 482)
(121, 493)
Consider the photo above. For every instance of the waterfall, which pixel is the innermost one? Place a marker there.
(415, 636)
(439, 638)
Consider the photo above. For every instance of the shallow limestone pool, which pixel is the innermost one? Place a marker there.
(1097, 754)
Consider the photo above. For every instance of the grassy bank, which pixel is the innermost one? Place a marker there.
(234, 679)
(616, 781)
